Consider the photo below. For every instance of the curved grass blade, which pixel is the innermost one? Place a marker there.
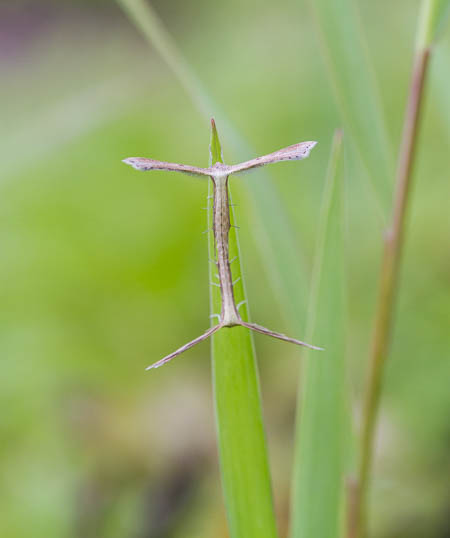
(391, 260)
(240, 431)
(60, 124)
(318, 487)
(356, 91)
(432, 20)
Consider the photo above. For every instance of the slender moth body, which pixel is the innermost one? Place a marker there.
(219, 174)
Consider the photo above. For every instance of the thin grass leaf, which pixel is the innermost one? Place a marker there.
(318, 487)
(241, 439)
(356, 91)
(284, 264)
(440, 81)
(60, 124)
(391, 262)
(432, 20)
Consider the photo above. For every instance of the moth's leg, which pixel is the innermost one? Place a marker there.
(268, 332)
(184, 348)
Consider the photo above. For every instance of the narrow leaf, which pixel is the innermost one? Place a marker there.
(60, 124)
(241, 439)
(356, 90)
(432, 19)
(389, 280)
(215, 149)
(319, 457)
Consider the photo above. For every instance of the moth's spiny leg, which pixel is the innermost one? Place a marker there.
(233, 260)
(240, 304)
(217, 276)
(234, 226)
(237, 280)
(212, 261)
(215, 284)
(187, 346)
(268, 332)
(207, 231)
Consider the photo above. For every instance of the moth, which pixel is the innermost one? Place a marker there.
(219, 174)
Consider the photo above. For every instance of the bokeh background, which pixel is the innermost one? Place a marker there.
(104, 270)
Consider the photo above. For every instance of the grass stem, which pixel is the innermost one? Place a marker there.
(388, 286)
(244, 465)
(319, 458)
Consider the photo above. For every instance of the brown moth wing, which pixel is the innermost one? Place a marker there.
(140, 163)
(296, 152)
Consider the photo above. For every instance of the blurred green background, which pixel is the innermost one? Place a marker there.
(104, 270)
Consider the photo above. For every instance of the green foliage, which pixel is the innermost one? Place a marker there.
(240, 430)
(318, 480)
(432, 19)
(349, 69)
(104, 269)
(215, 149)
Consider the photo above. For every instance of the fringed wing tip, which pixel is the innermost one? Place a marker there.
(308, 147)
(130, 161)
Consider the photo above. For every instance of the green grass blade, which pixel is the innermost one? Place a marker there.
(142, 14)
(391, 262)
(321, 429)
(240, 431)
(432, 19)
(60, 124)
(440, 81)
(215, 149)
(284, 264)
(356, 90)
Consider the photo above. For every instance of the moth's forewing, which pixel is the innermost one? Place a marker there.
(140, 163)
(295, 152)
